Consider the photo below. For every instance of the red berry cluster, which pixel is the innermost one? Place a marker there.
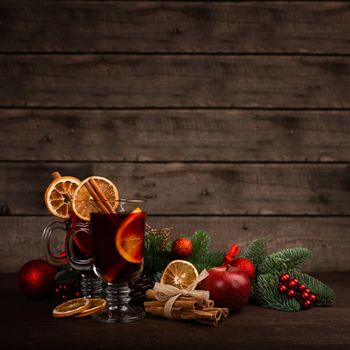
(292, 288)
(68, 290)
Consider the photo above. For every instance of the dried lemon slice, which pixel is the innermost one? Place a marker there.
(179, 273)
(83, 204)
(71, 307)
(96, 305)
(59, 194)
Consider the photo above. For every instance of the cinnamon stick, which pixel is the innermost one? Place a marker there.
(184, 304)
(151, 294)
(101, 195)
(96, 198)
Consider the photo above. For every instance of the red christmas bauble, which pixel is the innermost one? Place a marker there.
(245, 265)
(36, 278)
(182, 247)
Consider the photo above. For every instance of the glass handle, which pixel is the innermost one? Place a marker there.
(71, 249)
(47, 235)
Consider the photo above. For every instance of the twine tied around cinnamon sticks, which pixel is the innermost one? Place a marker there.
(184, 304)
(168, 293)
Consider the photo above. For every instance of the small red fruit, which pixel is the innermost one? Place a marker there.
(304, 296)
(282, 289)
(182, 247)
(307, 304)
(290, 294)
(284, 278)
(313, 298)
(301, 288)
(291, 284)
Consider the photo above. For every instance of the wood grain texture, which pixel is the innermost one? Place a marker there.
(174, 81)
(328, 238)
(174, 135)
(197, 189)
(146, 26)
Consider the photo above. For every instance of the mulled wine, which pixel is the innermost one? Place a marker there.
(117, 245)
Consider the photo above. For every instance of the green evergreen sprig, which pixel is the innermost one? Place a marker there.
(270, 267)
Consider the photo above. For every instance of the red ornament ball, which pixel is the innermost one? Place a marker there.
(245, 265)
(307, 290)
(290, 294)
(312, 298)
(282, 289)
(284, 278)
(36, 278)
(307, 304)
(182, 247)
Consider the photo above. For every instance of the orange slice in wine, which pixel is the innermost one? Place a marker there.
(130, 237)
(83, 204)
(59, 194)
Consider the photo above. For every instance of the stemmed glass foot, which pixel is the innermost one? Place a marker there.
(118, 309)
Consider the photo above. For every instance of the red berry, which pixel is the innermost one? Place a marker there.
(313, 298)
(57, 291)
(304, 296)
(296, 281)
(301, 288)
(306, 304)
(284, 278)
(64, 297)
(65, 287)
(60, 286)
(182, 247)
(77, 294)
(290, 294)
(282, 289)
(307, 290)
(291, 284)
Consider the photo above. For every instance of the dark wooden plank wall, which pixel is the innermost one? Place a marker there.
(228, 116)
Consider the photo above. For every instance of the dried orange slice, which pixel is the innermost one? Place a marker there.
(96, 305)
(59, 194)
(130, 236)
(71, 307)
(83, 204)
(179, 273)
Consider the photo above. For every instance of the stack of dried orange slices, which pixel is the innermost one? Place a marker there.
(79, 307)
(66, 194)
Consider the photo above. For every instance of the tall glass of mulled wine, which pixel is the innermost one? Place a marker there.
(117, 257)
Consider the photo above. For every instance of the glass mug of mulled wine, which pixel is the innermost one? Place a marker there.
(117, 256)
(90, 285)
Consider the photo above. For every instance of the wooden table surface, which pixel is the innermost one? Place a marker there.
(28, 324)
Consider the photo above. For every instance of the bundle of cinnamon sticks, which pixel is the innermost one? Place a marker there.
(187, 308)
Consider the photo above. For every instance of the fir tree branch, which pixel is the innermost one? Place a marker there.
(266, 294)
(325, 295)
(292, 257)
(255, 252)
